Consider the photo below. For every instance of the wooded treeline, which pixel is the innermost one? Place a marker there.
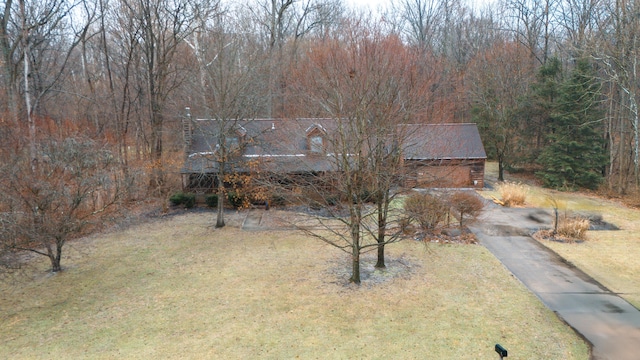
(121, 72)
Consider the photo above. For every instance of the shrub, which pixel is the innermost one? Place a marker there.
(366, 196)
(512, 194)
(332, 200)
(405, 225)
(278, 200)
(573, 227)
(466, 204)
(186, 199)
(189, 200)
(236, 200)
(426, 209)
(211, 200)
(176, 199)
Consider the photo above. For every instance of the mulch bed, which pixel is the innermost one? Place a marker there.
(549, 236)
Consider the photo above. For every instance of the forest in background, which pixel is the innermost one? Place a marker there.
(93, 92)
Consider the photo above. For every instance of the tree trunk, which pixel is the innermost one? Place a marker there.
(355, 266)
(355, 253)
(157, 171)
(382, 227)
(500, 169)
(33, 159)
(55, 254)
(380, 263)
(12, 97)
(57, 258)
(10, 69)
(621, 168)
(220, 216)
(636, 139)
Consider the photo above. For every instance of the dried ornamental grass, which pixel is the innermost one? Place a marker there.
(573, 227)
(512, 194)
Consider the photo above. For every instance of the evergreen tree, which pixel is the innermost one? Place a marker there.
(574, 155)
(538, 106)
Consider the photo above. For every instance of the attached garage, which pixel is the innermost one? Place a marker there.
(444, 155)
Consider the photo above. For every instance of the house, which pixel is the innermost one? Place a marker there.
(444, 155)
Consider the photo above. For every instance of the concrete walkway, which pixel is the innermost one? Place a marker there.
(607, 321)
(253, 220)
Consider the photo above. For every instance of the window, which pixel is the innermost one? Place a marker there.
(315, 139)
(316, 144)
(232, 142)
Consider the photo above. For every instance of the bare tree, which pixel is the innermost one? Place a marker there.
(498, 79)
(231, 65)
(579, 19)
(283, 23)
(617, 50)
(422, 19)
(9, 41)
(72, 188)
(368, 83)
(533, 25)
(161, 26)
(119, 53)
(37, 42)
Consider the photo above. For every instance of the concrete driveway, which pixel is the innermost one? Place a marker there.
(608, 322)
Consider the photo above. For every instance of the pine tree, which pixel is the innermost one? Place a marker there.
(538, 106)
(575, 154)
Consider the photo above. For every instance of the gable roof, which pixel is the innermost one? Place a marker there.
(443, 142)
(282, 145)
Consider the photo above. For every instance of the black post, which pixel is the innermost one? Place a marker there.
(501, 351)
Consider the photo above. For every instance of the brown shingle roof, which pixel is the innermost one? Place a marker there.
(281, 145)
(443, 142)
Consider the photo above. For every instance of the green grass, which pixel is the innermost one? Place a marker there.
(177, 288)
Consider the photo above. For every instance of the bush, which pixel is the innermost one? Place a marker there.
(236, 200)
(332, 200)
(186, 199)
(211, 200)
(573, 227)
(365, 196)
(278, 200)
(512, 194)
(405, 225)
(466, 204)
(426, 209)
(176, 199)
(189, 200)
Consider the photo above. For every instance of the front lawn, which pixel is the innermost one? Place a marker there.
(177, 288)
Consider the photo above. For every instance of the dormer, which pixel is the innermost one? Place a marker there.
(316, 139)
(236, 138)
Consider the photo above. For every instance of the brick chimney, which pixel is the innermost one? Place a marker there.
(187, 129)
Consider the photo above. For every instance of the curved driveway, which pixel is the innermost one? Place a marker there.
(608, 322)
